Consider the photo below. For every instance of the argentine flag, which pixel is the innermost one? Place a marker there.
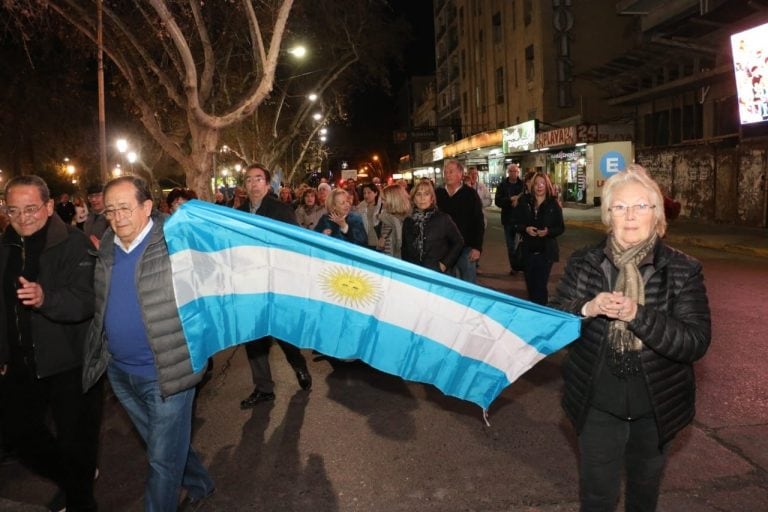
(239, 277)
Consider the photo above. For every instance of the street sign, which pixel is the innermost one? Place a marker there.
(416, 135)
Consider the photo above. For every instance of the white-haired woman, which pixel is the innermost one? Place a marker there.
(340, 222)
(629, 383)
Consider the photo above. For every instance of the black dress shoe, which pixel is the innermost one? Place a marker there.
(304, 378)
(256, 397)
(191, 504)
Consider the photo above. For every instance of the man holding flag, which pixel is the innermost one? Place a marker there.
(136, 338)
(260, 202)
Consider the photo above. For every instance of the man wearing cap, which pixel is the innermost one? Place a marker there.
(96, 224)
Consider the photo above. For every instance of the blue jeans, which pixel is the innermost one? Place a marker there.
(466, 270)
(165, 425)
(607, 445)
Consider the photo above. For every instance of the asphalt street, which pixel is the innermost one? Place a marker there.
(362, 440)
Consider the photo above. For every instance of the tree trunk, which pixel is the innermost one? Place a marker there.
(199, 167)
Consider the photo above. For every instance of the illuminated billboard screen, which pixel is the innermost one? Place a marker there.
(750, 63)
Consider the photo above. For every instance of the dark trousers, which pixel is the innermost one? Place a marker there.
(537, 270)
(608, 445)
(258, 357)
(512, 238)
(69, 457)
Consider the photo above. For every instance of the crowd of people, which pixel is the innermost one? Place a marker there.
(87, 294)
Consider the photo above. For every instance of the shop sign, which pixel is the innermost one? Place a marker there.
(612, 162)
(571, 155)
(615, 133)
(565, 136)
(477, 141)
(587, 133)
(437, 153)
(520, 137)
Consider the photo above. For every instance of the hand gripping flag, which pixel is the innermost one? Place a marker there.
(240, 277)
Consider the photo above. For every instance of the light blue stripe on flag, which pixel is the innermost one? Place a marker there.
(239, 277)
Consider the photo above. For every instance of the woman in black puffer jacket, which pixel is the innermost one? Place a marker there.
(629, 382)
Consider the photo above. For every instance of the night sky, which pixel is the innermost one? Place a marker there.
(373, 115)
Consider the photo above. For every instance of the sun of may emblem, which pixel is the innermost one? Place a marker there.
(350, 286)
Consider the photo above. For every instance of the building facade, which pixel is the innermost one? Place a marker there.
(581, 89)
(505, 63)
(678, 83)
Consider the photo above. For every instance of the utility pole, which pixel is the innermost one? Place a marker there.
(103, 176)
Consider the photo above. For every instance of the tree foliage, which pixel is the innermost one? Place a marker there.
(351, 43)
(201, 74)
(172, 59)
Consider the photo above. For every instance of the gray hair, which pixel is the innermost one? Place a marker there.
(634, 174)
(30, 180)
(458, 165)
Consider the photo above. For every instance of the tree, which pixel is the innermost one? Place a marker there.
(350, 44)
(174, 58)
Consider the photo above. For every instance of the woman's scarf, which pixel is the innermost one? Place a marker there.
(624, 346)
(420, 219)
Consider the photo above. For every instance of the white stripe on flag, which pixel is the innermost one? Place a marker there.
(258, 269)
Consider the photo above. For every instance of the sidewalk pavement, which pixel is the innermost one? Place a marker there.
(709, 235)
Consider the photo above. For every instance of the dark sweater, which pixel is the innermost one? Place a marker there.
(466, 210)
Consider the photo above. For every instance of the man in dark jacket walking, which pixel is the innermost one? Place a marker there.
(45, 307)
(508, 195)
(261, 202)
(466, 209)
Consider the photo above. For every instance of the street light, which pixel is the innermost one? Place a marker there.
(298, 51)
(121, 145)
(312, 96)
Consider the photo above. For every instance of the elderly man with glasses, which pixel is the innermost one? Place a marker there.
(137, 340)
(46, 305)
